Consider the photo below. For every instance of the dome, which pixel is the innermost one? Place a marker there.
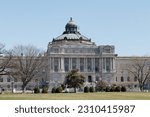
(71, 23)
(71, 33)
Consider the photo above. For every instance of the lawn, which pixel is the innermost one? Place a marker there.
(79, 96)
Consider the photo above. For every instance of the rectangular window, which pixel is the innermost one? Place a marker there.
(56, 64)
(8, 80)
(1, 79)
(66, 64)
(104, 63)
(15, 80)
(51, 61)
(108, 64)
(74, 63)
(82, 64)
(96, 64)
(89, 64)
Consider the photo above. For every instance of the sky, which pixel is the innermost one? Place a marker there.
(122, 23)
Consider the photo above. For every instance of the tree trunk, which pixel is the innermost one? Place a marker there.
(141, 87)
(23, 88)
(75, 90)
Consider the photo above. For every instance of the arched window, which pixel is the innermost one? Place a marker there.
(128, 79)
(122, 79)
(135, 79)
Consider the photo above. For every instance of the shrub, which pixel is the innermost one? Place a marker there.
(117, 89)
(86, 89)
(45, 90)
(59, 89)
(54, 90)
(101, 85)
(92, 89)
(63, 86)
(123, 89)
(36, 90)
(112, 89)
(108, 89)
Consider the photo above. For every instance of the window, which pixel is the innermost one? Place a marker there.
(107, 49)
(128, 79)
(66, 63)
(89, 78)
(82, 64)
(15, 86)
(108, 64)
(8, 80)
(135, 79)
(56, 61)
(97, 65)
(122, 79)
(89, 64)
(97, 78)
(104, 63)
(135, 86)
(74, 63)
(15, 80)
(56, 50)
(8, 86)
(1, 79)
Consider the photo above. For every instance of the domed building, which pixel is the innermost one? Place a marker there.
(72, 50)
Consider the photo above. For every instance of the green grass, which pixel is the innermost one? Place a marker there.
(79, 96)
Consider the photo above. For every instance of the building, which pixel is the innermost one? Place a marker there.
(72, 50)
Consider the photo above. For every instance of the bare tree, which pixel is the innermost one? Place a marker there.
(27, 64)
(140, 69)
(5, 57)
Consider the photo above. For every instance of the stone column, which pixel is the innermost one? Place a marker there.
(70, 63)
(111, 64)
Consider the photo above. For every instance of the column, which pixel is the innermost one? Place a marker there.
(110, 64)
(70, 63)
(114, 67)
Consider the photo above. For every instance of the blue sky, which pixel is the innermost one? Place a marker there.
(123, 23)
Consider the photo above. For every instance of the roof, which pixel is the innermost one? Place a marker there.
(72, 36)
